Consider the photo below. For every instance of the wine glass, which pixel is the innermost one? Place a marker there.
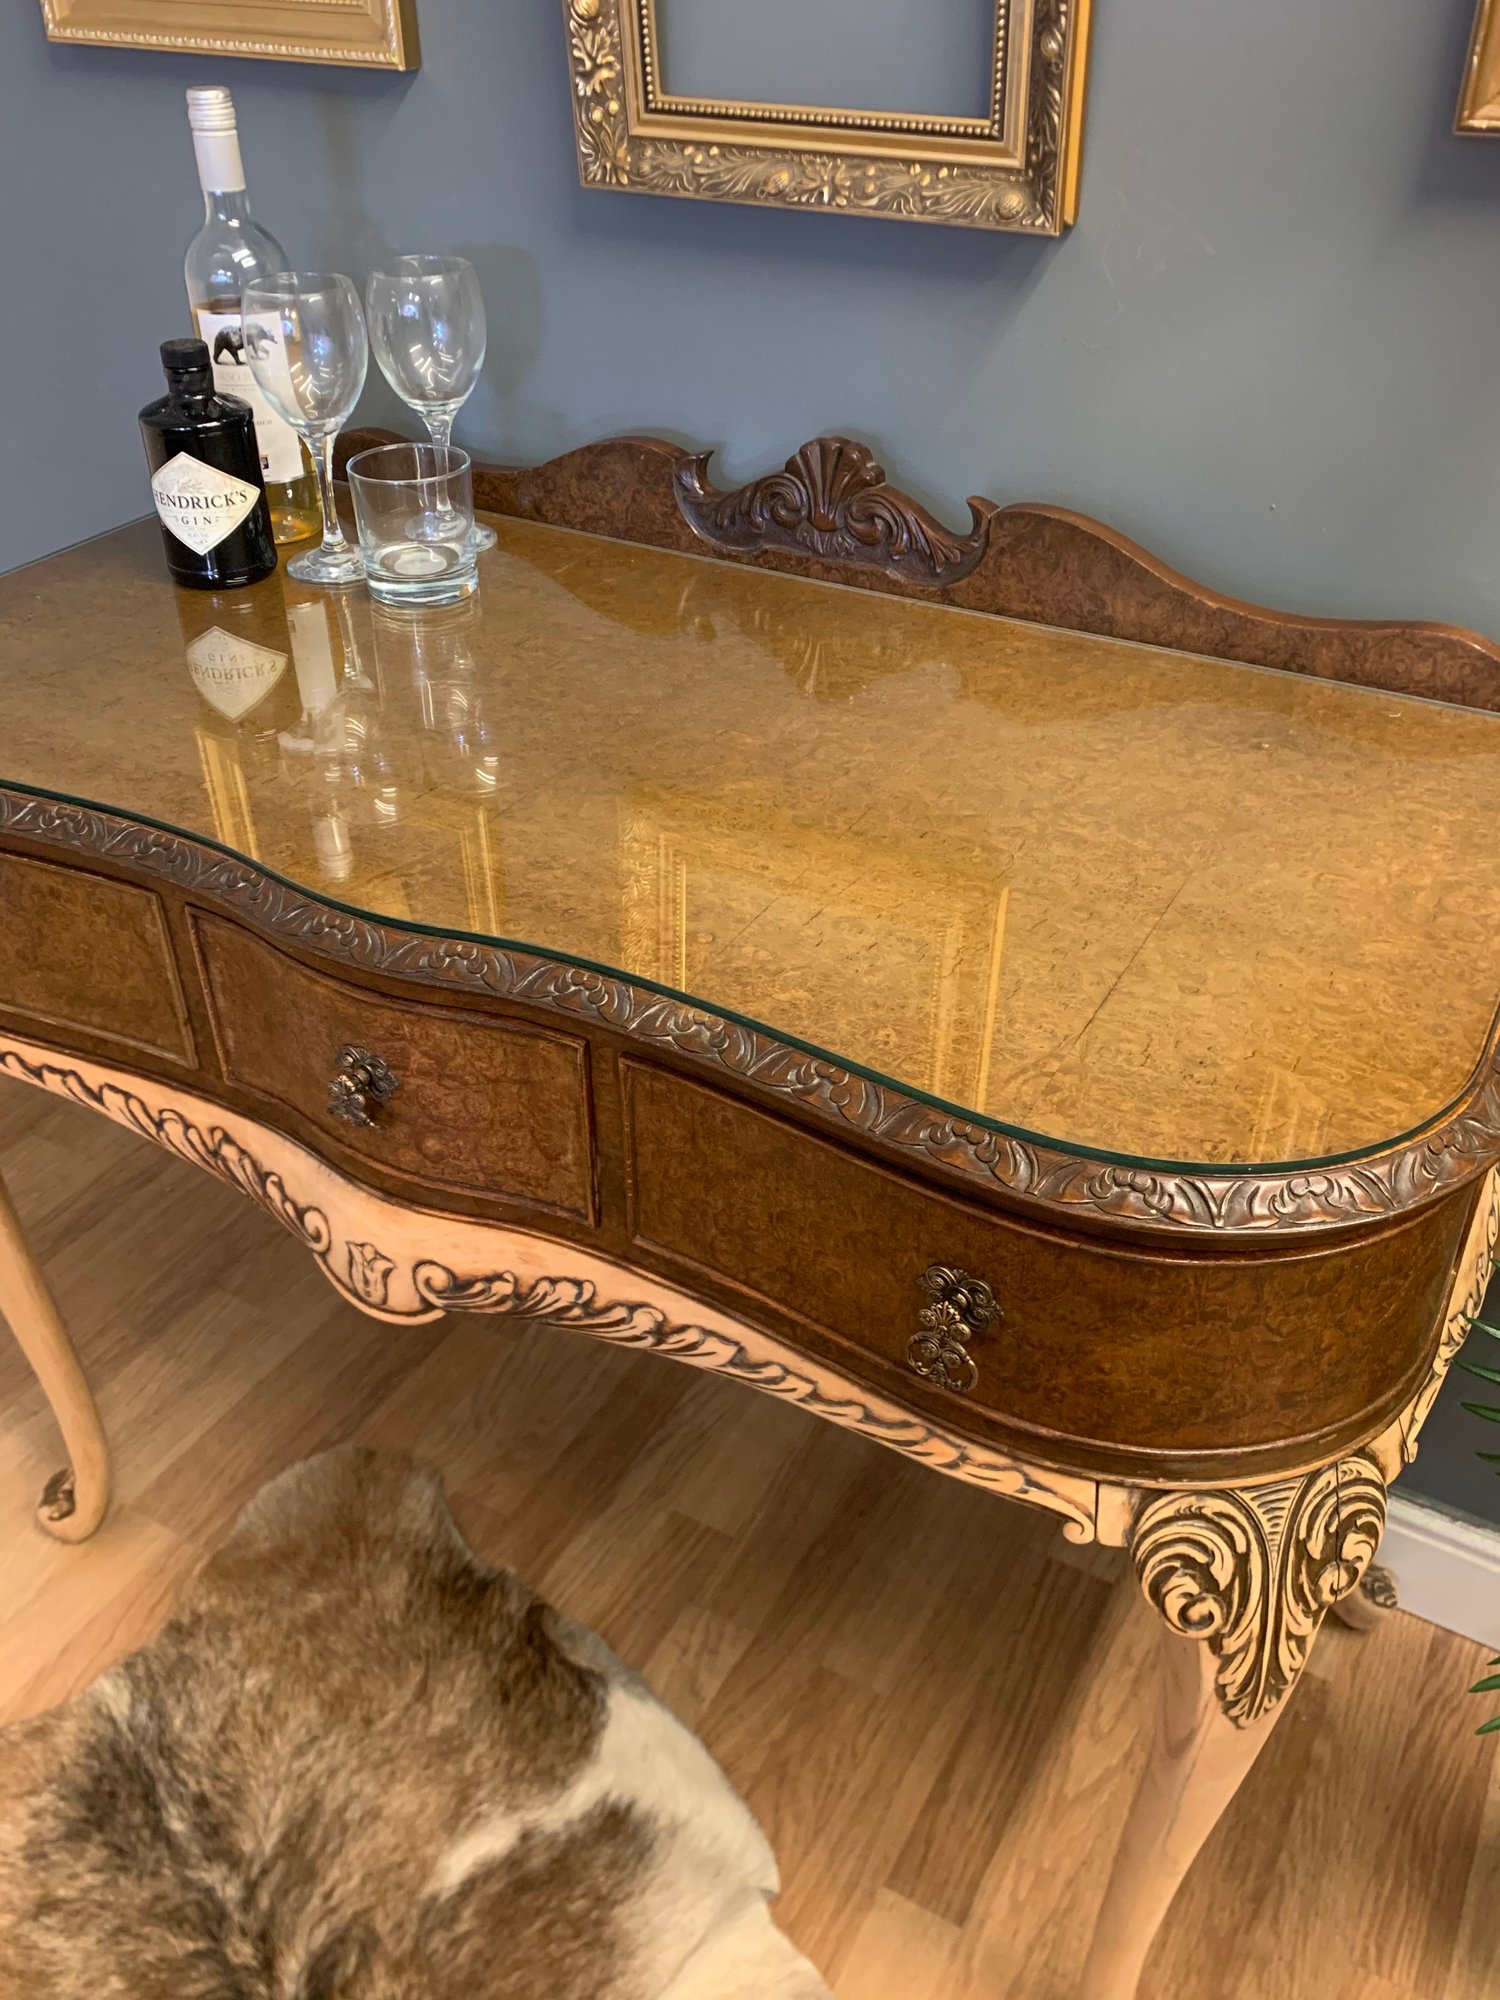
(428, 331)
(305, 342)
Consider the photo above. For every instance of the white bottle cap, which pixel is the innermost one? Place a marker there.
(215, 139)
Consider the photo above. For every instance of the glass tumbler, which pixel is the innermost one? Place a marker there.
(414, 504)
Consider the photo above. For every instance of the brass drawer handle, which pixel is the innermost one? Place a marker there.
(959, 1308)
(361, 1082)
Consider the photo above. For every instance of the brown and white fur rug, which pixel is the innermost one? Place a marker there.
(360, 1765)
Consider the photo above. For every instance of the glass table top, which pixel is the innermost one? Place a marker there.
(1164, 908)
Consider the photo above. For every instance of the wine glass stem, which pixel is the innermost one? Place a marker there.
(439, 426)
(333, 532)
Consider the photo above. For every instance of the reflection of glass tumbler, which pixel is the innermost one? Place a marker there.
(428, 650)
(414, 504)
(432, 653)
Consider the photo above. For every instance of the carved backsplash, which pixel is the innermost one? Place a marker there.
(832, 500)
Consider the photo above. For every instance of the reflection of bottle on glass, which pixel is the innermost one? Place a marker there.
(236, 651)
(228, 253)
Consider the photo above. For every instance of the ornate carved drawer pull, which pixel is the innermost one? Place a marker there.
(959, 1308)
(360, 1084)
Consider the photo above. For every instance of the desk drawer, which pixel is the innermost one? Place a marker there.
(482, 1106)
(1153, 1349)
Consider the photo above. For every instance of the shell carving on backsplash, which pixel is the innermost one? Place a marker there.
(831, 500)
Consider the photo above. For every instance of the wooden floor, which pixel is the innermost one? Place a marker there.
(934, 1704)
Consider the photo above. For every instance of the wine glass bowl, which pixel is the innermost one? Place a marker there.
(428, 330)
(306, 345)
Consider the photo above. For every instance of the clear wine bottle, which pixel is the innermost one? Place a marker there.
(229, 252)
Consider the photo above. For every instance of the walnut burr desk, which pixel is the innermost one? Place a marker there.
(975, 985)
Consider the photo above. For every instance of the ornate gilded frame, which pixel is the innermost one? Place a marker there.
(1016, 168)
(1479, 100)
(369, 34)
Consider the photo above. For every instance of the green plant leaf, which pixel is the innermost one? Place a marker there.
(1486, 1410)
(1488, 1457)
(1487, 1686)
(1483, 1326)
(1478, 1368)
(1488, 1728)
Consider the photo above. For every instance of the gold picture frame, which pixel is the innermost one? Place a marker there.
(1479, 100)
(368, 34)
(1015, 169)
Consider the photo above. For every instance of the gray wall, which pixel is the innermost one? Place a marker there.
(1265, 350)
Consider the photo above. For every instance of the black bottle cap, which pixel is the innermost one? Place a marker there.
(184, 357)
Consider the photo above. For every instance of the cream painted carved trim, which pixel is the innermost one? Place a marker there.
(406, 1264)
(673, 146)
(1297, 1202)
(1252, 1572)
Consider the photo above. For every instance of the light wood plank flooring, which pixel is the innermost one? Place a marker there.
(935, 1705)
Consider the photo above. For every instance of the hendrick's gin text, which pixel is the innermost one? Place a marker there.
(206, 476)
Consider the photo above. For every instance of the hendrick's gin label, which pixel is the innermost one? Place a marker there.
(206, 476)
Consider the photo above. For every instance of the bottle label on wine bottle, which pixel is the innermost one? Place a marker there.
(200, 504)
(280, 446)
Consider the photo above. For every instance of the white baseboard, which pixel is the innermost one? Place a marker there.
(1446, 1566)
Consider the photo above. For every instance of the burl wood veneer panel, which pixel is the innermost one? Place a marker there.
(1131, 900)
(83, 951)
(490, 1107)
(1165, 1354)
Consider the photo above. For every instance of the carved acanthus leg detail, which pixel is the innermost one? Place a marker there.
(1251, 1573)
(1242, 1580)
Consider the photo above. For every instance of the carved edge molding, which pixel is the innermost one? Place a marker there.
(912, 184)
(394, 1280)
(1297, 1202)
(1250, 1572)
(831, 500)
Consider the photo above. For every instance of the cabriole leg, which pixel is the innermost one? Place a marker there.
(74, 1500)
(1242, 1579)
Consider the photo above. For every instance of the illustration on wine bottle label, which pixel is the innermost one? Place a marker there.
(280, 447)
(233, 674)
(200, 504)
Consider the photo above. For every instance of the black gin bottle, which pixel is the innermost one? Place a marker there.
(206, 477)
